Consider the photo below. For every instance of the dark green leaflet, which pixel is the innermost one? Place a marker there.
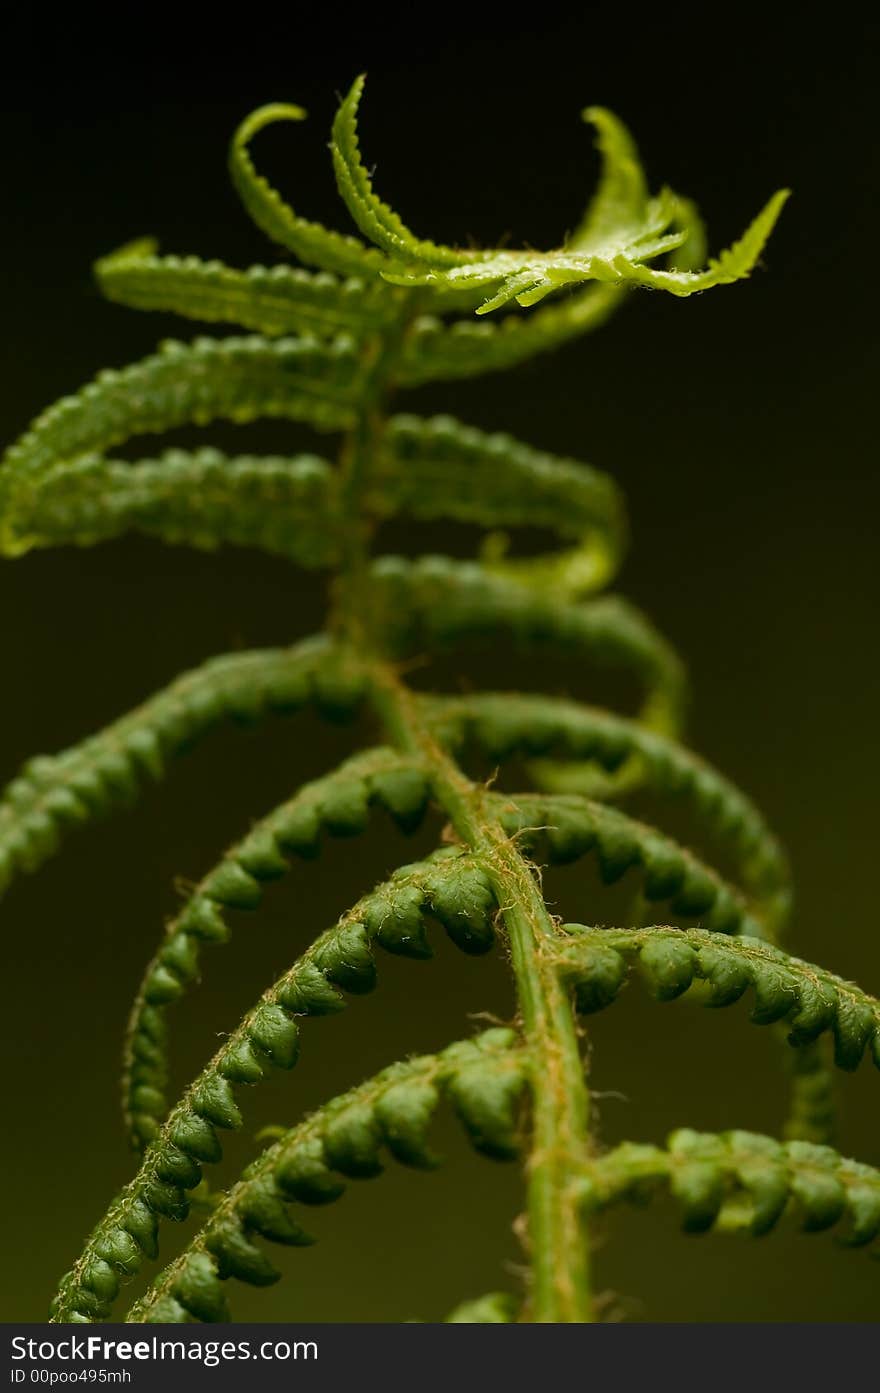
(201, 498)
(269, 299)
(337, 804)
(53, 794)
(482, 1078)
(503, 726)
(450, 887)
(808, 999)
(741, 1181)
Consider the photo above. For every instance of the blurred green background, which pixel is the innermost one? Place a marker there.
(740, 425)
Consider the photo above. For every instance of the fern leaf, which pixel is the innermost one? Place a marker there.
(451, 887)
(741, 1180)
(503, 726)
(440, 468)
(622, 232)
(434, 351)
(54, 794)
(812, 1110)
(808, 999)
(328, 349)
(275, 300)
(345, 1139)
(693, 251)
(191, 384)
(435, 602)
(338, 804)
(529, 277)
(202, 498)
(309, 241)
(564, 829)
(620, 204)
(375, 219)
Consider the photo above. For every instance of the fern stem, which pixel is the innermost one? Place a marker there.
(556, 1233)
(556, 1230)
(357, 455)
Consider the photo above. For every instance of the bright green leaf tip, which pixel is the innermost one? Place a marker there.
(267, 116)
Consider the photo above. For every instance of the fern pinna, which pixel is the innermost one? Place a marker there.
(328, 347)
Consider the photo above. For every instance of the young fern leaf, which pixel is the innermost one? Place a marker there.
(622, 231)
(375, 219)
(328, 349)
(620, 205)
(436, 602)
(53, 794)
(440, 468)
(528, 278)
(740, 1181)
(338, 804)
(483, 1080)
(809, 1000)
(201, 498)
(502, 726)
(235, 379)
(271, 300)
(310, 242)
(566, 828)
(812, 1111)
(434, 351)
(451, 887)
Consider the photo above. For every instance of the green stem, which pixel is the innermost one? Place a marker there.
(556, 1230)
(356, 460)
(560, 1106)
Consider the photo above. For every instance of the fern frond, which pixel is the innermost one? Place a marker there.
(234, 379)
(620, 202)
(812, 1110)
(693, 251)
(309, 241)
(202, 498)
(529, 277)
(808, 999)
(53, 794)
(435, 351)
(374, 218)
(566, 828)
(338, 804)
(271, 300)
(482, 1079)
(435, 602)
(741, 1181)
(451, 887)
(503, 725)
(621, 205)
(328, 349)
(441, 468)
(621, 233)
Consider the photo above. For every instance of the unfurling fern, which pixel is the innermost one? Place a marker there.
(328, 347)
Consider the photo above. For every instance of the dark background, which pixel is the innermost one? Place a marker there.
(740, 425)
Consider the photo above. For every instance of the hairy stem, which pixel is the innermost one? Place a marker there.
(359, 448)
(556, 1234)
